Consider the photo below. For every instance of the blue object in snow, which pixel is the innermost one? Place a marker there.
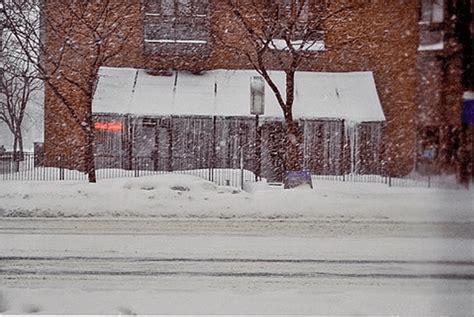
(296, 178)
(468, 111)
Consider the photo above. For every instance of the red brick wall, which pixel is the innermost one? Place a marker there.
(63, 134)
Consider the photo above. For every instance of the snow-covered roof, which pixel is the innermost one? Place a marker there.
(351, 96)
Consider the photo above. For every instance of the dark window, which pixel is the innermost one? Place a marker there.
(295, 7)
(431, 37)
(176, 21)
(429, 142)
(432, 11)
(305, 16)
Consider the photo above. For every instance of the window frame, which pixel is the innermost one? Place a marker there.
(197, 31)
(428, 12)
(316, 42)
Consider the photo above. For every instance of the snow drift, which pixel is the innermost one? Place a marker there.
(178, 196)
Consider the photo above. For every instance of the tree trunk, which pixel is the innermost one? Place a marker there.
(293, 157)
(89, 130)
(16, 162)
(90, 163)
(15, 146)
(20, 143)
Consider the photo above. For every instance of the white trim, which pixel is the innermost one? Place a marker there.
(432, 47)
(174, 16)
(177, 41)
(280, 44)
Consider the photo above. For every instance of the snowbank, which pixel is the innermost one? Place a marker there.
(177, 196)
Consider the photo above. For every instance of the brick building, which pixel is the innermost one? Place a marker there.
(378, 36)
(444, 64)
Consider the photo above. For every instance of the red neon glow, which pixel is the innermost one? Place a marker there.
(109, 126)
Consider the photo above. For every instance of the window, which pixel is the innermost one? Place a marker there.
(293, 7)
(432, 11)
(108, 134)
(306, 15)
(431, 40)
(428, 143)
(176, 21)
(431, 35)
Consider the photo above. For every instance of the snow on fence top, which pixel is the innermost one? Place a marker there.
(351, 96)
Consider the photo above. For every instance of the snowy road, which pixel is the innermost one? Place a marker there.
(316, 227)
(236, 267)
(151, 266)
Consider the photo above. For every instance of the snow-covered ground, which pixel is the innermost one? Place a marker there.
(233, 274)
(178, 244)
(185, 196)
(323, 297)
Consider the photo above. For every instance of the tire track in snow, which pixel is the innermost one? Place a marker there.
(224, 260)
(236, 267)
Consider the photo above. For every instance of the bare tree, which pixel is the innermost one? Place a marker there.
(18, 81)
(281, 35)
(67, 41)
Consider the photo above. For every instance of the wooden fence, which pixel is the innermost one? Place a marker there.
(328, 147)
